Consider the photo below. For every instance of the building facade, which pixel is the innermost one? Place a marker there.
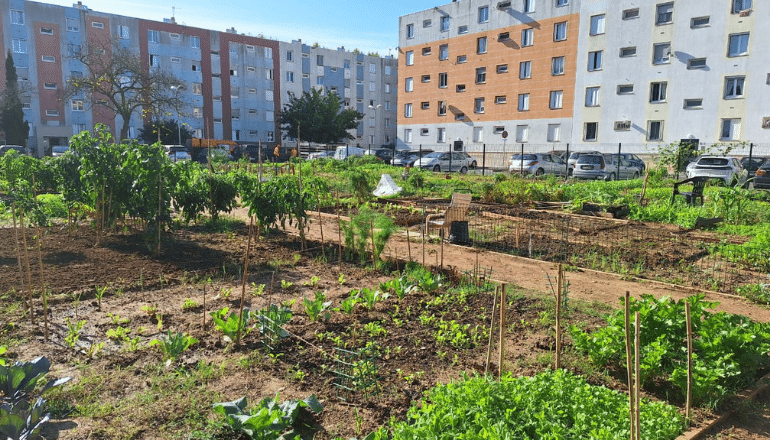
(233, 85)
(584, 72)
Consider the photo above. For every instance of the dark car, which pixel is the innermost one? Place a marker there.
(762, 176)
(6, 148)
(752, 164)
(383, 154)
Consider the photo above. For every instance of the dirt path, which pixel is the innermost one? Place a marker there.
(531, 274)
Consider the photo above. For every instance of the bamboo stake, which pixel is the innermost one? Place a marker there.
(423, 246)
(43, 291)
(558, 316)
(160, 206)
(688, 402)
(243, 281)
(491, 329)
(27, 266)
(442, 253)
(203, 323)
(502, 329)
(637, 403)
(320, 222)
(339, 232)
(18, 259)
(629, 367)
(408, 243)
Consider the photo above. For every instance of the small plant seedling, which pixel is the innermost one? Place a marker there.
(226, 292)
(73, 333)
(257, 289)
(150, 310)
(117, 320)
(119, 334)
(99, 292)
(297, 257)
(313, 282)
(341, 279)
(317, 307)
(173, 345)
(286, 284)
(189, 304)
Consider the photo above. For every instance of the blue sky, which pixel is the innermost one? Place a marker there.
(370, 26)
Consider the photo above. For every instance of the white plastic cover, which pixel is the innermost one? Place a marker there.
(386, 187)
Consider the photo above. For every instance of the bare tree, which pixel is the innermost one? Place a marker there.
(118, 82)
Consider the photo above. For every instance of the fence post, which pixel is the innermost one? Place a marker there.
(566, 162)
(347, 151)
(450, 159)
(751, 152)
(619, 147)
(483, 159)
(521, 161)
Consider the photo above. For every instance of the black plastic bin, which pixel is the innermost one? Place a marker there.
(458, 232)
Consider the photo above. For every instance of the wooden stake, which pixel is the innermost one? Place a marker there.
(374, 251)
(28, 267)
(408, 243)
(320, 222)
(688, 400)
(339, 233)
(18, 259)
(423, 246)
(160, 206)
(43, 291)
(491, 329)
(629, 367)
(203, 323)
(558, 316)
(442, 253)
(637, 403)
(243, 281)
(502, 329)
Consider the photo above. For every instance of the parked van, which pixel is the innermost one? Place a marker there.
(344, 152)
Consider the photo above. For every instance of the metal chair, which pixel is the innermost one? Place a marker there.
(698, 183)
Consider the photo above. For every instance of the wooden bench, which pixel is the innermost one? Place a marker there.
(698, 183)
(457, 211)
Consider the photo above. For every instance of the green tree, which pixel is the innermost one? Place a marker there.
(169, 132)
(318, 118)
(12, 118)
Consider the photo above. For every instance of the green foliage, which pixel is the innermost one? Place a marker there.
(359, 183)
(317, 307)
(11, 113)
(52, 205)
(173, 345)
(229, 325)
(18, 381)
(369, 297)
(358, 232)
(170, 130)
(73, 332)
(269, 420)
(272, 318)
(400, 286)
(349, 304)
(276, 201)
(729, 349)
(314, 117)
(554, 405)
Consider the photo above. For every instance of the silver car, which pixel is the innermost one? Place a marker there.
(617, 167)
(727, 169)
(444, 161)
(537, 164)
(573, 157)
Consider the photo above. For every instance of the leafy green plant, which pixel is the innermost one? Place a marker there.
(317, 307)
(117, 320)
(341, 279)
(313, 282)
(99, 292)
(229, 324)
(18, 381)
(189, 304)
(348, 304)
(358, 233)
(269, 420)
(73, 332)
(369, 297)
(286, 284)
(272, 318)
(173, 345)
(119, 333)
(401, 286)
(375, 329)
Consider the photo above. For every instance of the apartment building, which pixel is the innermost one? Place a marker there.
(365, 83)
(231, 83)
(584, 72)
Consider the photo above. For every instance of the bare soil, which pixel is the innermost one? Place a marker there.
(203, 267)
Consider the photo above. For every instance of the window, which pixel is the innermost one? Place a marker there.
(269, 116)
(503, 36)
(690, 104)
(17, 17)
(387, 70)
(557, 66)
(410, 30)
(699, 22)
(443, 52)
(626, 52)
(233, 72)
(661, 53)
(554, 132)
(501, 99)
(269, 95)
(48, 58)
(442, 80)
(734, 87)
(483, 14)
(410, 58)
(235, 92)
(696, 63)
(176, 60)
(629, 14)
(441, 135)
(462, 59)
(407, 135)
(527, 37)
(460, 88)
(46, 31)
(269, 136)
(198, 112)
(154, 60)
(502, 68)
(442, 108)
(592, 96)
(251, 69)
(560, 3)
(252, 111)
(72, 25)
(664, 13)
(529, 5)
(19, 45)
(481, 45)
(387, 88)
(738, 6)
(409, 84)
(289, 56)
(524, 102)
(481, 75)
(49, 86)
(425, 51)
(52, 112)
(78, 128)
(444, 24)
(425, 105)
(250, 48)
(319, 60)
(498, 129)
(590, 131)
(478, 105)
(654, 130)
(269, 54)
(556, 99)
(739, 45)
(427, 23)
(425, 78)
(595, 60)
(408, 110)
(625, 89)
(153, 36)
(197, 88)
(195, 42)
(658, 91)
(731, 129)
(560, 31)
(522, 133)
(97, 24)
(525, 69)
(462, 29)
(597, 24)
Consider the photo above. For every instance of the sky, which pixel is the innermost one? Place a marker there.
(370, 26)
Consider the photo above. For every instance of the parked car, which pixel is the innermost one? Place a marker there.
(444, 161)
(751, 166)
(384, 154)
(634, 160)
(589, 166)
(537, 164)
(59, 150)
(471, 161)
(727, 169)
(320, 155)
(617, 167)
(177, 153)
(408, 157)
(6, 148)
(343, 152)
(559, 153)
(762, 176)
(573, 157)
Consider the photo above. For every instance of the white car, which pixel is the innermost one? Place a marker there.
(537, 164)
(727, 169)
(444, 161)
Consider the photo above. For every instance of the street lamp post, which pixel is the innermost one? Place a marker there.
(176, 90)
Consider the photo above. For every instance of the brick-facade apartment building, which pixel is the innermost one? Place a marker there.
(234, 85)
(584, 72)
